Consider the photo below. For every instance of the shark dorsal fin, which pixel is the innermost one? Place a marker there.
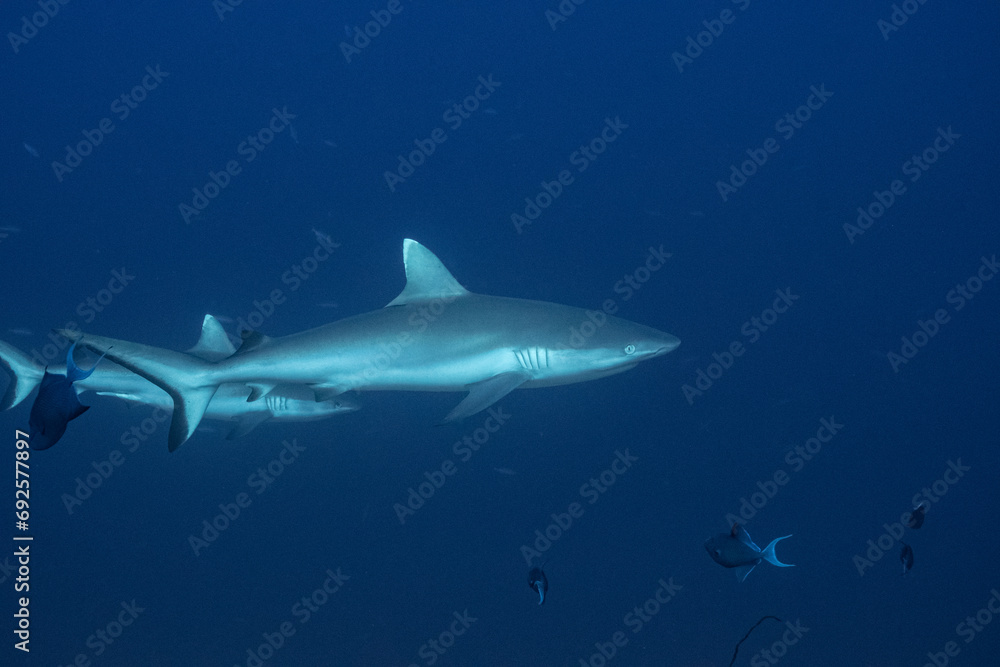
(213, 345)
(426, 277)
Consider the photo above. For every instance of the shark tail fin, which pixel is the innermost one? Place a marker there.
(25, 375)
(187, 379)
(769, 555)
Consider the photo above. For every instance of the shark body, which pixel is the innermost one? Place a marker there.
(284, 404)
(435, 336)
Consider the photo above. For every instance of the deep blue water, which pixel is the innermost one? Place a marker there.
(854, 297)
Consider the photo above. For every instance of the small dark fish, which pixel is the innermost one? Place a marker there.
(917, 516)
(56, 404)
(735, 549)
(538, 582)
(906, 557)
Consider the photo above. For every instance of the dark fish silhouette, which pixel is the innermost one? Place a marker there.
(917, 516)
(906, 557)
(56, 404)
(538, 582)
(735, 549)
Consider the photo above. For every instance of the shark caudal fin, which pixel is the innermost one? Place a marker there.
(768, 553)
(25, 375)
(185, 378)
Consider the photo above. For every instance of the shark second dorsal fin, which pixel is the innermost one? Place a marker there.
(426, 277)
(213, 345)
(252, 340)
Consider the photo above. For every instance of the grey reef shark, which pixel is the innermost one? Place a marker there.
(434, 336)
(284, 404)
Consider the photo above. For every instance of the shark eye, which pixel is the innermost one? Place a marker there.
(630, 349)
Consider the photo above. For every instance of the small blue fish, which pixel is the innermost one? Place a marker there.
(56, 404)
(735, 549)
(539, 583)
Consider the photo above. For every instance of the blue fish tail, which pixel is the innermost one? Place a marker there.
(769, 555)
(74, 372)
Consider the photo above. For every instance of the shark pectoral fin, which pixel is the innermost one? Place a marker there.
(743, 570)
(213, 345)
(484, 394)
(258, 390)
(246, 424)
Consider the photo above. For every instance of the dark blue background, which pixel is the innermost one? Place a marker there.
(655, 185)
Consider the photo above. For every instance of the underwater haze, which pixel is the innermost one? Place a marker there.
(803, 193)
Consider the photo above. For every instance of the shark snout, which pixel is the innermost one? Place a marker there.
(664, 344)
